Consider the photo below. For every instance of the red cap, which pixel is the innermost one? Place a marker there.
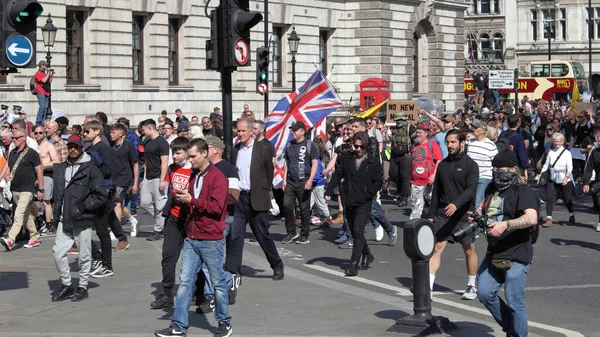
(423, 127)
(75, 139)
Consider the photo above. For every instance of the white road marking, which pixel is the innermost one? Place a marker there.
(405, 292)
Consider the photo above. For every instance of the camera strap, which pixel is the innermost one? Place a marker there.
(486, 206)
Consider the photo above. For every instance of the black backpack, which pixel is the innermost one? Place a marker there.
(503, 144)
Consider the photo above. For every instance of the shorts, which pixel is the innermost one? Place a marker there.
(120, 194)
(386, 171)
(444, 226)
(480, 92)
(48, 186)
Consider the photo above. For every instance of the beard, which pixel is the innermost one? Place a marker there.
(418, 140)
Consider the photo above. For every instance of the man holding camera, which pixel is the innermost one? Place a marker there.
(453, 193)
(510, 209)
(43, 78)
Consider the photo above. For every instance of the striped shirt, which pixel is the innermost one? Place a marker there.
(482, 152)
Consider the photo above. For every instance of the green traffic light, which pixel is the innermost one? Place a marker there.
(24, 14)
(263, 76)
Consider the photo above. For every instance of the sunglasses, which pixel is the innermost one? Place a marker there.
(17, 137)
(5, 127)
(86, 131)
(38, 133)
(359, 146)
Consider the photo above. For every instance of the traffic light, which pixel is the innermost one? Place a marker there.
(262, 70)
(239, 21)
(19, 25)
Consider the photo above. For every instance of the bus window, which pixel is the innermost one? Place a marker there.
(578, 69)
(540, 70)
(560, 70)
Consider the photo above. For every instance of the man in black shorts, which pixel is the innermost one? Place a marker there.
(453, 193)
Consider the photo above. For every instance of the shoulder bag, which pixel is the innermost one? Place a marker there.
(544, 177)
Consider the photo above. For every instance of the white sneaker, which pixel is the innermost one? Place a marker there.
(598, 227)
(134, 226)
(113, 237)
(379, 233)
(470, 293)
(315, 220)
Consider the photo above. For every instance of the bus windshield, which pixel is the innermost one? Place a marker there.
(578, 69)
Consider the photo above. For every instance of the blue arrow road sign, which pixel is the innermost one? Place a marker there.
(19, 50)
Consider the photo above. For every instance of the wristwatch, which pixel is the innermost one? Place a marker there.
(508, 226)
(41, 190)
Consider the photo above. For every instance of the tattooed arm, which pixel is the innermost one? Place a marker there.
(528, 219)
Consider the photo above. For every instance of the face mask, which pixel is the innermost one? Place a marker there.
(181, 163)
(504, 179)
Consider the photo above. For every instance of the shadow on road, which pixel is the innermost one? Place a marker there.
(10, 280)
(458, 329)
(584, 244)
(331, 261)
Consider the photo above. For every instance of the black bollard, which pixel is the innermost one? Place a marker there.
(419, 243)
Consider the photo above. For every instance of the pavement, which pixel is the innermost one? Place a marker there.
(315, 299)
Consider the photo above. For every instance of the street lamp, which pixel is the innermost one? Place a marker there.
(49, 35)
(550, 30)
(293, 42)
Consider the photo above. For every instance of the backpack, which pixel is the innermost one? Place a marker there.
(503, 144)
(32, 86)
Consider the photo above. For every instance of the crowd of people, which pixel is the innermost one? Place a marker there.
(70, 181)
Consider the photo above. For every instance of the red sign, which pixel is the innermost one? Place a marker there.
(262, 88)
(241, 52)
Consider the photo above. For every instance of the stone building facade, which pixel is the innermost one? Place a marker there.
(511, 34)
(138, 57)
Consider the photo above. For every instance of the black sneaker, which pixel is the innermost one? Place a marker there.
(105, 272)
(96, 267)
(232, 292)
(65, 292)
(207, 306)
(303, 240)
(290, 238)
(224, 330)
(162, 302)
(155, 236)
(170, 331)
(80, 295)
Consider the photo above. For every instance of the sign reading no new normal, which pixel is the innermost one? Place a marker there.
(19, 50)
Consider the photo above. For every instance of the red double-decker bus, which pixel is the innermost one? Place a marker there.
(548, 80)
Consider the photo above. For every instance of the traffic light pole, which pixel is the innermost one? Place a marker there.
(266, 29)
(226, 101)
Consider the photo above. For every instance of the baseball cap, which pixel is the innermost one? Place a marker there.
(75, 139)
(505, 159)
(182, 127)
(4, 106)
(297, 126)
(423, 127)
(449, 119)
(42, 63)
(479, 124)
(215, 142)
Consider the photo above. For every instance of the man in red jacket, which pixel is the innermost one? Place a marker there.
(206, 198)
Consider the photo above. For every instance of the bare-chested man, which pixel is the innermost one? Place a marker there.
(59, 143)
(48, 157)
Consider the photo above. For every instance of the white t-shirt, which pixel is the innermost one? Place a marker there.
(562, 166)
(483, 152)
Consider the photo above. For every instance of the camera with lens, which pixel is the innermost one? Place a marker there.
(478, 221)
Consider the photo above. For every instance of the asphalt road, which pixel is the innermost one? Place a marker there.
(315, 299)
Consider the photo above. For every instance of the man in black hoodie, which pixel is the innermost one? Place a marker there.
(81, 184)
(453, 193)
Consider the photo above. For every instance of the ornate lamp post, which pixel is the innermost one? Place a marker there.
(293, 42)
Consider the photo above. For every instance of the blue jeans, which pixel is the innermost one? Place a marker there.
(43, 100)
(378, 218)
(209, 290)
(512, 314)
(481, 186)
(195, 254)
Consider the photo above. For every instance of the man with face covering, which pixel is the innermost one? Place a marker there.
(510, 209)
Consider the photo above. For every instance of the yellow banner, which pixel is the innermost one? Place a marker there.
(575, 97)
(373, 111)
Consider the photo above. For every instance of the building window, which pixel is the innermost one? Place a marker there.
(474, 6)
(485, 7)
(549, 24)
(563, 24)
(415, 63)
(323, 37)
(139, 22)
(595, 23)
(496, 6)
(276, 52)
(498, 47)
(75, 20)
(174, 25)
(472, 48)
(534, 24)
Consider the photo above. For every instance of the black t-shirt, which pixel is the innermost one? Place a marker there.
(122, 166)
(507, 205)
(231, 172)
(581, 132)
(568, 128)
(25, 176)
(182, 119)
(297, 160)
(214, 131)
(153, 150)
(105, 158)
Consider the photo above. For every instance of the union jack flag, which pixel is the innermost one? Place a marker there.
(320, 129)
(310, 104)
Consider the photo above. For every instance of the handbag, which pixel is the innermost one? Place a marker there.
(545, 176)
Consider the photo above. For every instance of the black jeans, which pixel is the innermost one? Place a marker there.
(403, 183)
(106, 216)
(294, 190)
(596, 199)
(357, 218)
(174, 235)
(565, 191)
(259, 223)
